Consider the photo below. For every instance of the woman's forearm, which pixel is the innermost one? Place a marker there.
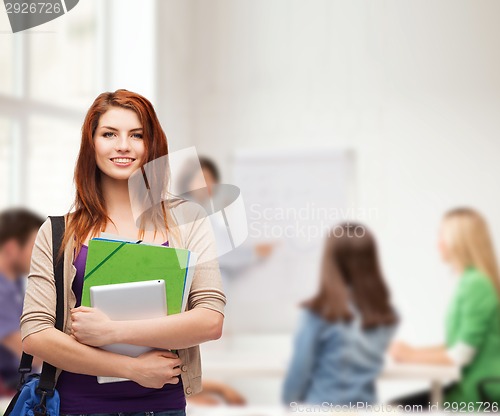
(432, 349)
(432, 355)
(177, 331)
(153, 369)
(64, 352)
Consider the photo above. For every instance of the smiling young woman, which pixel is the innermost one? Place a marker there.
(120, 134)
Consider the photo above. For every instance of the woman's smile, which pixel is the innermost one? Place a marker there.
(122, 161)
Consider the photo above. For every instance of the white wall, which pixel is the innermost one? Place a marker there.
(412, 86)
(175, 69)
(131, 45)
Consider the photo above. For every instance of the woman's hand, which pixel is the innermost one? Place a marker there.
(232, 397)
(436, 355)
(400, 351)
(90, 326)
(156, 368)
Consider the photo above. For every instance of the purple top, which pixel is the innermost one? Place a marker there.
(83, 394)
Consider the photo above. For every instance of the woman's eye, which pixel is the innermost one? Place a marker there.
(137, 135)
(108, 134)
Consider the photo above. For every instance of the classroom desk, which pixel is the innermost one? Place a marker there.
(236, 411)
(242, 359)
(438, 375)
(268, 411)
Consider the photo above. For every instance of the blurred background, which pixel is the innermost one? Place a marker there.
(384, 112)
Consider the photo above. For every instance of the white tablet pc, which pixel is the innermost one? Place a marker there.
(129, 301)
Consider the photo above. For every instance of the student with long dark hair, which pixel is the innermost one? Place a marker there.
(345, 328)
(120, 134)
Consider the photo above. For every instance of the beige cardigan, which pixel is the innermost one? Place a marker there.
(206, 291)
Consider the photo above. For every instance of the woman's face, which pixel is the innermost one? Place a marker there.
(119, 146)
(200, 187)
(443, 248)
(209, 180)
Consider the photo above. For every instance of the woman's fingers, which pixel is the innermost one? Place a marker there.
(176, 362)
(157, 368)
(167, 354)
(81, 309)
(173, 380)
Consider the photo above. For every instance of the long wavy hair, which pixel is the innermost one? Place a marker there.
(90, 216)
(467, 238)
(351, 276)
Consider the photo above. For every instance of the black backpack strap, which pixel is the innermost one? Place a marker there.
(58, 228)
(47, 382)
(25, 367)
(48, 377)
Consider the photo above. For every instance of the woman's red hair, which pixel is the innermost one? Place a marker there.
(90, 216)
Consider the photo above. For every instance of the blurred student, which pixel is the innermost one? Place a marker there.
(204, 188)
(18, 229)
(346, 328)
(244, 255)
(473, 319)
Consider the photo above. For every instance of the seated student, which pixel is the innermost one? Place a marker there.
(18, 229)
(346, 328)
(473, 319)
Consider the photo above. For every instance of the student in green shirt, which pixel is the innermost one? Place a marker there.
(473, 318)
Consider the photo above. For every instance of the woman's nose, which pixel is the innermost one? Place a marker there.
(122, 144)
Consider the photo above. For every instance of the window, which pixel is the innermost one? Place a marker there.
(5, 161)
(65, 58)
(53, 148)
(6, 56)
(49, 76)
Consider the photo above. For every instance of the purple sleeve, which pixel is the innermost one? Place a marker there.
(9, 313)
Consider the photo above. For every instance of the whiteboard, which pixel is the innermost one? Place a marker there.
(292, 198)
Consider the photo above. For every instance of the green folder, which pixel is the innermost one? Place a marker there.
(110, 262)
